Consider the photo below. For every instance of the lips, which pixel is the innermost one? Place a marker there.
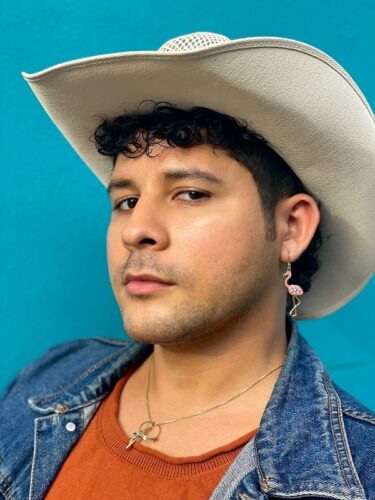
(145, 283)
(146, 277)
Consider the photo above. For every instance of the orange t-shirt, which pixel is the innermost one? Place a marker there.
(99, 466)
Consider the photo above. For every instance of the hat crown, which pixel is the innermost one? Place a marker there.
(193, 41)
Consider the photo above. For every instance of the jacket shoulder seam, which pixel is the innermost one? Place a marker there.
(359, 415)
(112, 341)
(97, 364)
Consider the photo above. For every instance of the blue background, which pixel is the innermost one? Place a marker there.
(54, 213)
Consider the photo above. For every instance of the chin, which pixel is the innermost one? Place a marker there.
(161, 338)
(168, 336)
(170, 323)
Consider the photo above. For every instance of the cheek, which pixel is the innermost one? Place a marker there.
(114, 247)
(219, 241)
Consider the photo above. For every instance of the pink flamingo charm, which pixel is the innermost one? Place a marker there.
(294, 291)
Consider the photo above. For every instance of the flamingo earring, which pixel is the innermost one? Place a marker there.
(293, 290)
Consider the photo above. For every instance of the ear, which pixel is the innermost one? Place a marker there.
(296, 220)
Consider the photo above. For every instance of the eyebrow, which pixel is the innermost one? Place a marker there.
(122, 183)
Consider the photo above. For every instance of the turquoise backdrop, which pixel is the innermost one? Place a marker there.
(54, 281)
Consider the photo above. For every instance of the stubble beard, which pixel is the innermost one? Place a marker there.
(232, 294)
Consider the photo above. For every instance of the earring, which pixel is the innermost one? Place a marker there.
(293, 290)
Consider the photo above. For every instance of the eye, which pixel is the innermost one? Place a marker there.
(194, 194)
(191, 193)
(118, 205)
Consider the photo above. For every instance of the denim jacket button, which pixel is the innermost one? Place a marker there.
(70, 426)
(59, 408)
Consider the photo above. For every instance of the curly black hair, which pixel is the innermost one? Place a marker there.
(132, 134)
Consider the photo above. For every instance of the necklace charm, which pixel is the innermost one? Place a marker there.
(142, 432)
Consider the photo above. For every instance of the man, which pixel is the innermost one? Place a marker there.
(222, 232)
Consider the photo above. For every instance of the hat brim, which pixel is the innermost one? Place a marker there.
(304, 103)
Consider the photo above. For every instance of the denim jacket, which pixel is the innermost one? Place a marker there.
(315, 440)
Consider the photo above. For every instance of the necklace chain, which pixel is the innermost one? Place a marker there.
(146, 427)
(209, 409)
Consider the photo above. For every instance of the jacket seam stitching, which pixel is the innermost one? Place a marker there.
(3, 492)
(257, 460)
(82, 375)
(333, 432)
(108, 340)
(75, 408)
(346, 445)
(262, 477)
(32, 474)
(240, 475)
(309, 491)
(359, 416)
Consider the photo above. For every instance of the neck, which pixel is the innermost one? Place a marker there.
(196, 375)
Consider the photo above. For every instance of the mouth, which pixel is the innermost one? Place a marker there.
(143, 287)
(145, 283)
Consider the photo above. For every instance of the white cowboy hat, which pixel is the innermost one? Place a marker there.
(302, 101)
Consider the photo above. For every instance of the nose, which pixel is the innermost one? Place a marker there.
(145, 226)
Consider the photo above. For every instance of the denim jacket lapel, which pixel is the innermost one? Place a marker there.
(75, 405)
(301, 448)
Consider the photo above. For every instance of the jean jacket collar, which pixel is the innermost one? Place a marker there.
(301, 447)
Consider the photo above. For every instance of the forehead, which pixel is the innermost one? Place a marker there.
(167, 164)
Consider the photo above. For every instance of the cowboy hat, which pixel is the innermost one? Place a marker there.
(301, 100)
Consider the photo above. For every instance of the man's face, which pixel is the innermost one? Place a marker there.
(212, 246)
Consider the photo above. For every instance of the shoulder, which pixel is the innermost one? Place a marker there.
(358, 418)
(68, 368)
(62, 360)
(59, 369)
(359, 424)
(356, 415)
(354, 409)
